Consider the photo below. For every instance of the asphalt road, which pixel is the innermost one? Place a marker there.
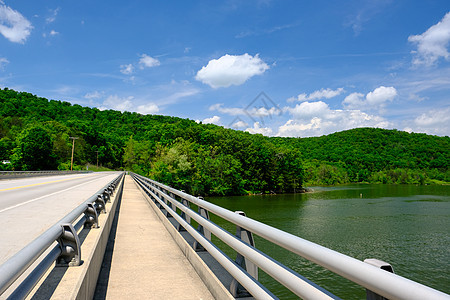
(29, 206)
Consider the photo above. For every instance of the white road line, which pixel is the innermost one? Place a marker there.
(48, 195)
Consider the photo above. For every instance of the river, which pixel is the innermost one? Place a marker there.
(405, 225)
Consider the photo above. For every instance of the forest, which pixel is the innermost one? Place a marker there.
(205, 159)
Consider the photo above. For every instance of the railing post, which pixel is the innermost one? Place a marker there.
(70, 247)
(184, 216)
(101, 206)
(106, 195)
(247, 237)
(91, 216)
(206, 233)
(381, 265)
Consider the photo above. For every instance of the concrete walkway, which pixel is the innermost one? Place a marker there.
(146, 262)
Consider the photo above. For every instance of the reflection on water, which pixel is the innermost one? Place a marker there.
(405, 225)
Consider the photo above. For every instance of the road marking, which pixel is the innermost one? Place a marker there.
(41, 183)
(48, 195)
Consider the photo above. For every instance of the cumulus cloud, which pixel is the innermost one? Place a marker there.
(318, 95)
(148, 62)
(117, 103)
(238, 124)
(231, 70)
(435, 121)
(316, 118)
(13, 25)
(145, 61)
(213, 120)
(258, 129)
(148, 109)
(127, 69)
(376, 99)
(433, 43)
(122, 104)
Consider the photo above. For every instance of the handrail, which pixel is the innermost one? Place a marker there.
(386, 284)
(15, 266)
(293, 281)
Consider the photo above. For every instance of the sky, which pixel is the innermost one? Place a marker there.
(278, 68)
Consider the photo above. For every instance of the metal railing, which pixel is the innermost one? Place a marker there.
(21, 174)
(369, 274)
(66, 252)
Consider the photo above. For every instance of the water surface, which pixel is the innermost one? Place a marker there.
(405, 225)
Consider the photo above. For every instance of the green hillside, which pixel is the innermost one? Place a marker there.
(208, 159)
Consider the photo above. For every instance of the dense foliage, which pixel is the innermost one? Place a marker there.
(209, 159)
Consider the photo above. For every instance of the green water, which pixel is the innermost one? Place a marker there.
(405, 225)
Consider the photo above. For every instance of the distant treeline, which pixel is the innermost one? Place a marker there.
(205, 159)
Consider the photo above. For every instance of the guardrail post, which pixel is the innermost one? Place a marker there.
(163, 192)
(206, 233)
(100, 202)
(106, 196)
(170, 202)
(252, 269)
(184, 216)
(70, 247)
(91, 216)
(381, 265)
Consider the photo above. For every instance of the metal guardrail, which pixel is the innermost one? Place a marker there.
(21, 174)
(372, 274)
(66, 252)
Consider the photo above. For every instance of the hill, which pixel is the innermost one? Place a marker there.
(208, 159)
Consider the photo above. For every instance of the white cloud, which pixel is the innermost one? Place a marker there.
(381, 95)
(3, 63)
(148, 62)
(213, 120)
(51, 33)
(257, 112)
(127, 69)
(94, 95)
(52, 17)
(177, 96)
(148, 109)
(316, 118)
(233, 111)
(376, 99)
(231, 70)
(258, 129)
(433, 43)
(117, 103)
(13, 25)
(239, 124)
(317, 95)
(435, 121)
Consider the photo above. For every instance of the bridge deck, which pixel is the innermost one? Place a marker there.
(146, 262)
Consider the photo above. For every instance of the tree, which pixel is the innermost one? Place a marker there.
(34, 150)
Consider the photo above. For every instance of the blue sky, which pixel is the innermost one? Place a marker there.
(280, 68)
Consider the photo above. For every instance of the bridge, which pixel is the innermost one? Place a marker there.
(113, 235)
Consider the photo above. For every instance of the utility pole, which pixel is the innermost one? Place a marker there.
(73, 147)
(97, 158)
